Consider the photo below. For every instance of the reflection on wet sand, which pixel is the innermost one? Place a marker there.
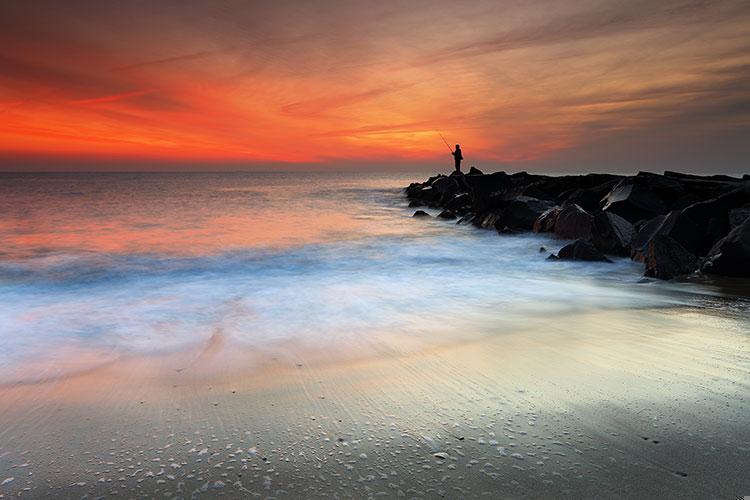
(634, 403)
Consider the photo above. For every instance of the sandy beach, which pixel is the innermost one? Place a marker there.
(559, 409)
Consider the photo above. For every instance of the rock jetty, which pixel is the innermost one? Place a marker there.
(675, 223)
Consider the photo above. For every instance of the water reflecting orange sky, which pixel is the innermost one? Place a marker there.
(160, 214)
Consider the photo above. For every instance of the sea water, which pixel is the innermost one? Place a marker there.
(94, 267)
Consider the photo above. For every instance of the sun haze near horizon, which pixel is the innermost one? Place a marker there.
(538, 85)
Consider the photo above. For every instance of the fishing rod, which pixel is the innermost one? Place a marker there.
(446, 142)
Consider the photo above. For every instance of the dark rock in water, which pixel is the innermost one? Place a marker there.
(612, 234)
(573, 222)
(489, 220)
(730, 256)
(466, 219)
(553, 257)
(420, 213)
(542, 249)
(699, 226)
(545, 223)
(517, 214)
(738, 215)
(643, 196)
(643, 235)
(588, 198)
(446, 187)
(505, 230)
(665, 258)
(671, 220)
(488, 190)
(581, 250)
(460, 202)
(522, 212)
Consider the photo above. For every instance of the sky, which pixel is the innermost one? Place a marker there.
(536, 85)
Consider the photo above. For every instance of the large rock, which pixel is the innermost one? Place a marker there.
(666, 259)
(612, 234)
(730, 256)
(460, 203)
(588, 198)
(574, 222)
(475, 171)
(545, 223)
(489, 191)
(522, 212)
(420, 213)
(581, 250)
(516, 214)
(699, 226)
(643, 196)
(738, 215)
(446, 187)
(644, 232)
(489, 220)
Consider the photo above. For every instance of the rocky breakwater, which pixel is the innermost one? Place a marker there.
(676, 224)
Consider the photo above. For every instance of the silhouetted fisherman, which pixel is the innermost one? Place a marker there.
(457, 157)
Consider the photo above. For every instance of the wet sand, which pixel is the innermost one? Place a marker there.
(618, 404)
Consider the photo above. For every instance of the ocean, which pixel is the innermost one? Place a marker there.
(98, 266)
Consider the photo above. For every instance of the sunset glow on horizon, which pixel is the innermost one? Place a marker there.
(543, 85)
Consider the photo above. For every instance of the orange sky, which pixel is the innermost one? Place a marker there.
(547, 85)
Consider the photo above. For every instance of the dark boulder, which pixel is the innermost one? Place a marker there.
(730, 256)
(459, 203)
(475, 171)
(665, 258)
(466, 219)
(447, 214)
(612, 234)
(488, 191)
(699, 226)
(522, 212)
(738, 215)
(588, 198)
(545, 223)
(517, 214)
(420, 213)
(446, 187)
(645, 231)
(581, 250)
(643, 196)
(489, 220)
(422, 192)
(573, 222)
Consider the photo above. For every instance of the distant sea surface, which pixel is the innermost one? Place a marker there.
(94, 267)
